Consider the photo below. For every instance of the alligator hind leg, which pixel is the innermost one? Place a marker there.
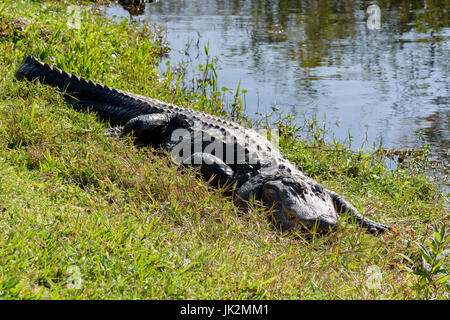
(210, 167)
(148, 128)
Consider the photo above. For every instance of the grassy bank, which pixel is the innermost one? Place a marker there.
(86, 216)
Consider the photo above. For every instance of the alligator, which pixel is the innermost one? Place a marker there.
(223, 152)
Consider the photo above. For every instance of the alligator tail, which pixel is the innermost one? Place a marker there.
(344, 207)
(116, 106)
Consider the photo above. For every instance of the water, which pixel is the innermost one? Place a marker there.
(319, 57)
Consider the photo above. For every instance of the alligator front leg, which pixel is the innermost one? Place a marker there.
(344, 207)
(210, 167)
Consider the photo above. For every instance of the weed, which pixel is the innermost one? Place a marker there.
(432, 273)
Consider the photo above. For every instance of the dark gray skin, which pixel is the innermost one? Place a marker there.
(248, 160)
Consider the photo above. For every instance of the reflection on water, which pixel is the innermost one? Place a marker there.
(318, 57)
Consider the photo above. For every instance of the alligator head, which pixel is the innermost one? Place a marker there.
(294, 202)
(299, 203)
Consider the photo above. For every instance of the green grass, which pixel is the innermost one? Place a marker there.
(132, 227)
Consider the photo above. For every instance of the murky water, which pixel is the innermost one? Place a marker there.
(320, 57)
